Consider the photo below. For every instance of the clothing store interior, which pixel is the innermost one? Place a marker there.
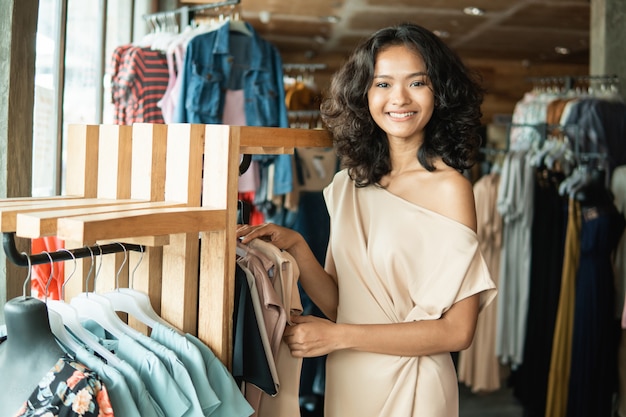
(126, 254)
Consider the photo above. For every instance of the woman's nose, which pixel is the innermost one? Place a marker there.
(400, 96)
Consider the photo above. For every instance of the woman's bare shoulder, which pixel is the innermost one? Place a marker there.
(445, 191)
(455, 197)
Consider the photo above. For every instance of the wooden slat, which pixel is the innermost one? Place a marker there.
(148, 176)
(181, 259)
(8, 202)
(114, 177)
(217, 263)
(276, 140)
(114, 161)
(82, 163)
(149, 241)
(136, 223)
(81, 178)
(185, 147)
(8, 216)
(35, 223)
(149, 149)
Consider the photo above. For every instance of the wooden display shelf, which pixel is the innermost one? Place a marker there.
(175, 186)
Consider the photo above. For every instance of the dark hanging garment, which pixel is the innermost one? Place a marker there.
(593, 376)
(249, 359)
(530, 380)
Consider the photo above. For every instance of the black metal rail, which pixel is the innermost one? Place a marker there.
(21, 259)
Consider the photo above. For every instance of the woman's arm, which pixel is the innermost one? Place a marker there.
(454, 331)
(319, 285)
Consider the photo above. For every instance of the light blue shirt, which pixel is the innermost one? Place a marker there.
(160, 383)
(179, 373)
(233, 403)
(191, 357)
(154, 374)
(146, 404)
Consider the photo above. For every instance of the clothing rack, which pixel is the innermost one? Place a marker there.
(543, 129)
(303, 113)
(493, 151)
(568, 82)
(303, 67)
(186, 11)
(170, 189)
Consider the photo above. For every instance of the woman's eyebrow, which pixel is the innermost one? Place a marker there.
(415, 74)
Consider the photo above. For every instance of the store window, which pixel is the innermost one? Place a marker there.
(75, 39)
(45, 138)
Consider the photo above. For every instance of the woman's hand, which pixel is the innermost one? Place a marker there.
(281, 237)
(311, 336)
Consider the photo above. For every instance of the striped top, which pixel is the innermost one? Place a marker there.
(139, 80)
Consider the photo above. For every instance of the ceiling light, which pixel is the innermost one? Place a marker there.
(442, 33)
(330, 19)
(473, 11)
(561, 50)
(265, 16)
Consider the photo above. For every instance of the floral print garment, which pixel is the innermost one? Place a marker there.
(69, 389)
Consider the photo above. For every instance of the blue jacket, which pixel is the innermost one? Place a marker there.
(219, 60)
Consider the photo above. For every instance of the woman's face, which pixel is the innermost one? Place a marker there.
(401, 99)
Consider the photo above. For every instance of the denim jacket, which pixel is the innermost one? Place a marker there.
(219, 60)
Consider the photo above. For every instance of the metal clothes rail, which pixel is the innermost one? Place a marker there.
(21, 259)
(185, 11)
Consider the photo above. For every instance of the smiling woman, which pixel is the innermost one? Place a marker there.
(403, 112)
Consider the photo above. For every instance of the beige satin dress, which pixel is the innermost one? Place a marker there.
(396, 262)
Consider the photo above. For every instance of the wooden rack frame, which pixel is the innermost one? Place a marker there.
(171, 188)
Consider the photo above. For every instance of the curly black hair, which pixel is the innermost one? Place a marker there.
(452, 132)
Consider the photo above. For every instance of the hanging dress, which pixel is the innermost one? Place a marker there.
(479, 367)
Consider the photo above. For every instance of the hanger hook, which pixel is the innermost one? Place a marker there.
(30, 267)
(49, 276)
(117, 276)
(100, 256)
(90, 270)
(71, 275)
(132, 275)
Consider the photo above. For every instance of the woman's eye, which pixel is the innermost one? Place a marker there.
(382, 85)
(417, 83)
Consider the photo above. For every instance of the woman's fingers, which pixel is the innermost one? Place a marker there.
(282, 237)
(247, 232)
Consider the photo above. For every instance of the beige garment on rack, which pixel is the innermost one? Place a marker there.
(479, 367)
(285, 279)
(253, 393)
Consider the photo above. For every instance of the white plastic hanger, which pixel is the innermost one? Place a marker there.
(134, 302)
(99, 309)
(69, 318)
(236, 24)
(56, 320)
(239, 26)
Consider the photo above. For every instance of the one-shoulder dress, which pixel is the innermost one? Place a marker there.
(396, 262)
